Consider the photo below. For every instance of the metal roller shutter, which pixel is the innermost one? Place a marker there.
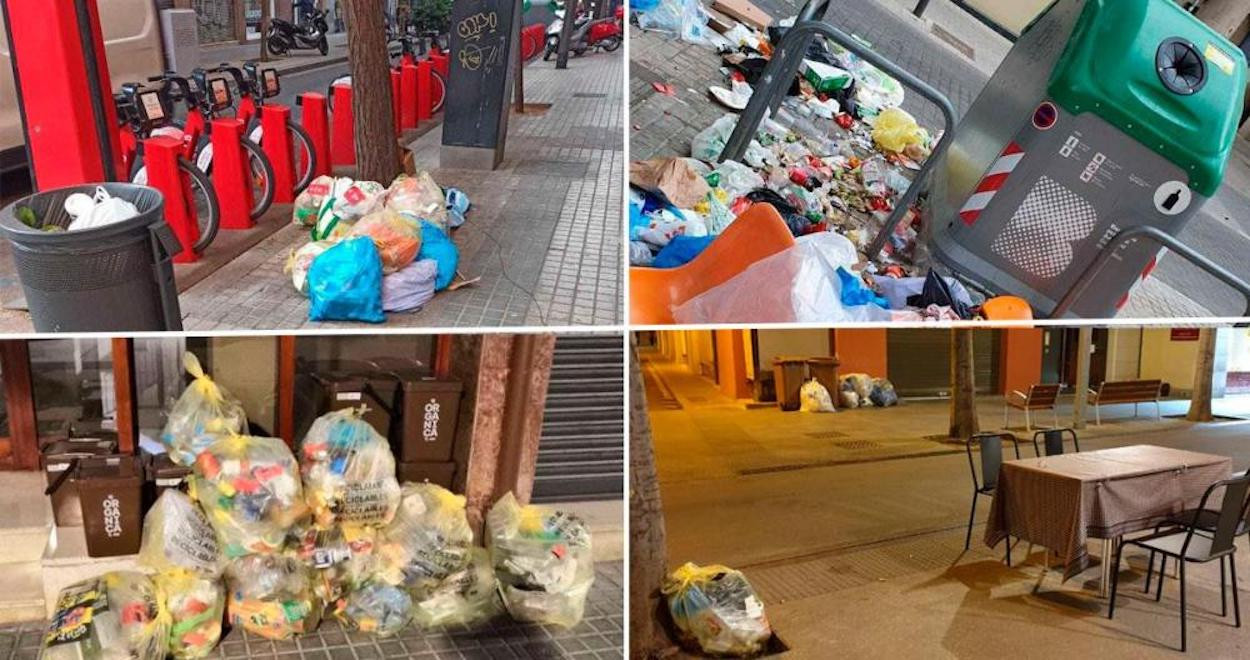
(919, 361)
(581, 455)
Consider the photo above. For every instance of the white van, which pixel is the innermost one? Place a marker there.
(132, 39)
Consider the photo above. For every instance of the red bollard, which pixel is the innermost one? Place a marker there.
(232, 174)
(441, 62)
(408, 96)
(425, 91)
(343, 138)
(314, 116)
(160, 156)
(395, 103)
(277, 145)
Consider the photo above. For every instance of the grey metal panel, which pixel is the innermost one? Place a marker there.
(581, 454)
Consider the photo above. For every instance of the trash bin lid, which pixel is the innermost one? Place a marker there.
(1161, 76)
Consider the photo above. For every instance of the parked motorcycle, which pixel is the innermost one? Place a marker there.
(285, 36)
(598, 34)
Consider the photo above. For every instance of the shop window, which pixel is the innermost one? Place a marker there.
(72, 382)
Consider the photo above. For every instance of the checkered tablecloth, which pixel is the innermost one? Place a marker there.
(1059, 502)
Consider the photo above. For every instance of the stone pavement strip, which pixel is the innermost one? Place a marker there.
(543, 231)
(599, 636)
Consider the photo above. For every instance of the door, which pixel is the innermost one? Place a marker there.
(581, 452)
(919, 361)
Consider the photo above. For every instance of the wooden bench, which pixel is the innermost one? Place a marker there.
(1040, 397)
(1126, 391)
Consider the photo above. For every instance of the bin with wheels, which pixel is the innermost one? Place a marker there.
(1104, 117)
(789, 374)
(118, 277)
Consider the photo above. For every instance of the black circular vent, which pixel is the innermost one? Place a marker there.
(1181, 67)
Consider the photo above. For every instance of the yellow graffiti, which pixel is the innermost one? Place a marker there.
(474, 26)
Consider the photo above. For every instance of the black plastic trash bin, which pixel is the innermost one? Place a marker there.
(114, 278)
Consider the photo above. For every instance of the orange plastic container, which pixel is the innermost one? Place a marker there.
(757, 234)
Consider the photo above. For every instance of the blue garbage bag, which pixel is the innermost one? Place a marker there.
(457, 206)
(438, 246)
(681, 251)
(345, 283)
(854, 293)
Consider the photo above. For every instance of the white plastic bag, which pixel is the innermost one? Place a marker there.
(708, 143)
(99, 211)
(797, 285)
(815, 398)
(177, 535)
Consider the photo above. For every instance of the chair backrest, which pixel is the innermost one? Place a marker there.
(1043, 395)
(991, 445)
(1233, 510)
(1052, 441)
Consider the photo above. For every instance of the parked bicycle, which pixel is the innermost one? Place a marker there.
(254, 85)
(410, 49)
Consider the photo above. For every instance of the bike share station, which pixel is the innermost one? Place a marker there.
(221, 168)
(1100, 135)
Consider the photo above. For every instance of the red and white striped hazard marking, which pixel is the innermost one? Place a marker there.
(994, 180)
(1150, 268)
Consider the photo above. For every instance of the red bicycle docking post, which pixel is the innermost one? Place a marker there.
(277, 145)
(315, 118)
(425, 90)
(395, 102)
(408, 95)
(161, 155)
(231, 178)
(343, 138)
(441, 62)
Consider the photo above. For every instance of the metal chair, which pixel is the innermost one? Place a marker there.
(1192, 545)
(1053, 441)
(991, 462)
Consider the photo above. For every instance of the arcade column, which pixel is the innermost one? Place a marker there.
(64, 94)
(475, 113)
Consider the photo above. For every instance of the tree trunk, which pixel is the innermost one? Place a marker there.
(566, 33)
(1204, 373)
(647, 559)
(377, 149)
(264, 29)
(1080, 395)
(963, 386)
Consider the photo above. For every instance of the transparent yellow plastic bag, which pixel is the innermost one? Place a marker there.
(177, 535)
(120, 614)
(196, 605)
(895, 130)
(204, 413)
(299, 261)
(348, 470)
(715, 608)
(250, 490)
(428, 540)
(542, 559)
(272, 596)
(398, 240)
(418, 197)
(376, 607)
(340, 558)
(462, 598)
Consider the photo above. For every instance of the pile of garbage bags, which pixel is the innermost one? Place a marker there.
(375, 249)
(863, 391)
(273, 541)
(716, 611)
(835, 158)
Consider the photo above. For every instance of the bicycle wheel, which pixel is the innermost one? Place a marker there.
(203, 195)
(305, 158)
(260, 171)
(438, 86)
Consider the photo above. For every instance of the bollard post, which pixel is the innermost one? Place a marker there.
(343, 138)
(314, 117)
(161, 155)
(425, 91)
(395, 101)
(232, 178)
(277, 145)
(408, 96)
(441, 62)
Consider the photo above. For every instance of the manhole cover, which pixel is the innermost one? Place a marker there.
(857, 444)
(826, 435)
(589, 95)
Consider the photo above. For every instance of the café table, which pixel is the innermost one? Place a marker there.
(1059, 502)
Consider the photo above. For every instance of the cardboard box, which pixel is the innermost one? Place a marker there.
(745, 12)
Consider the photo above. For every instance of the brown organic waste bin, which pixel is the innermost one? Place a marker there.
(110, 490)
(428, 412)
(62, 456)
(825, 371)
(789, 374)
